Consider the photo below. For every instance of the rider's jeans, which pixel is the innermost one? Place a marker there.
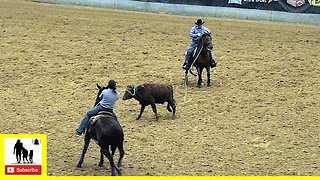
(191, 47)
(85, 121)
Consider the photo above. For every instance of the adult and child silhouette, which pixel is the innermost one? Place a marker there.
(20, 150)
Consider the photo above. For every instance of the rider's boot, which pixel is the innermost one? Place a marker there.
(186, 64)
(78, 132)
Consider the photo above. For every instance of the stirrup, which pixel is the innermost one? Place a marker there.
(213, 65)
(79, 133)
(184, 67)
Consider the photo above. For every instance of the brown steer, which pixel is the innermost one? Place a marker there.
(152, 94)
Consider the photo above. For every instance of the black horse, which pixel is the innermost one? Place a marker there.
(107, 132)
(201, 59)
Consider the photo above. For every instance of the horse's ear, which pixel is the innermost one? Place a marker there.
(98, 86)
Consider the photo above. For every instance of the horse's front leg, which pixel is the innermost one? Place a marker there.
(121, 151)
(85, 148)
(199, 77)
(208, 77)
(101, 158)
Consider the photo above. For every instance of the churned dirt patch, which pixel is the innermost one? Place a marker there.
(260, 117)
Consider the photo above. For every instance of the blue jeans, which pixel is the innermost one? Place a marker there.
(190, 49)
(85, 121)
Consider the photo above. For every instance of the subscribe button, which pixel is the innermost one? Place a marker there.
(23, 170)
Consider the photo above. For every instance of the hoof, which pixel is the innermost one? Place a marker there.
(208, 85)
(100, 164)
(78, 165)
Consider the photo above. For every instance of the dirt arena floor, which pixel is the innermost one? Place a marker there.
(260, 117)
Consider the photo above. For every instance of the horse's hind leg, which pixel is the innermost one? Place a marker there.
(113, 149)
(121, 151)
(101, 158)
(85, 148)
(106, 152)
(208, 77)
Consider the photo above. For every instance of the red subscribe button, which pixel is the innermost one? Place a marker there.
(23, 170)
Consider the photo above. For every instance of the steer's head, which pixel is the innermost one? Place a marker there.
(130, 92)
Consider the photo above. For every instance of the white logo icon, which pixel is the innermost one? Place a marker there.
(10, 169)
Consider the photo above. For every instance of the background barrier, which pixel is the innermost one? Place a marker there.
(194, 10)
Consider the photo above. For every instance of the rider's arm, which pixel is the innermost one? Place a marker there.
(194, 33)
(207, 29)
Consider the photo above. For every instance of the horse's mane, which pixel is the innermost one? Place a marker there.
(201, 41)
(200, 45)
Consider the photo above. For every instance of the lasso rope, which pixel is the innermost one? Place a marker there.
(185, 100)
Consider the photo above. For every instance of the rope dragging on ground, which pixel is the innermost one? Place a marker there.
(185, 95)
(185, 100)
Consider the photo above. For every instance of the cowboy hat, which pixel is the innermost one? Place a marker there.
(199, 22)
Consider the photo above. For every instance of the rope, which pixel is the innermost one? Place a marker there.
(195, 59)
(134, 88)
(185, 85)
(185, 100)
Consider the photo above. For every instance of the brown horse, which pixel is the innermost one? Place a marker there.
(201, 59)
(107, 132)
